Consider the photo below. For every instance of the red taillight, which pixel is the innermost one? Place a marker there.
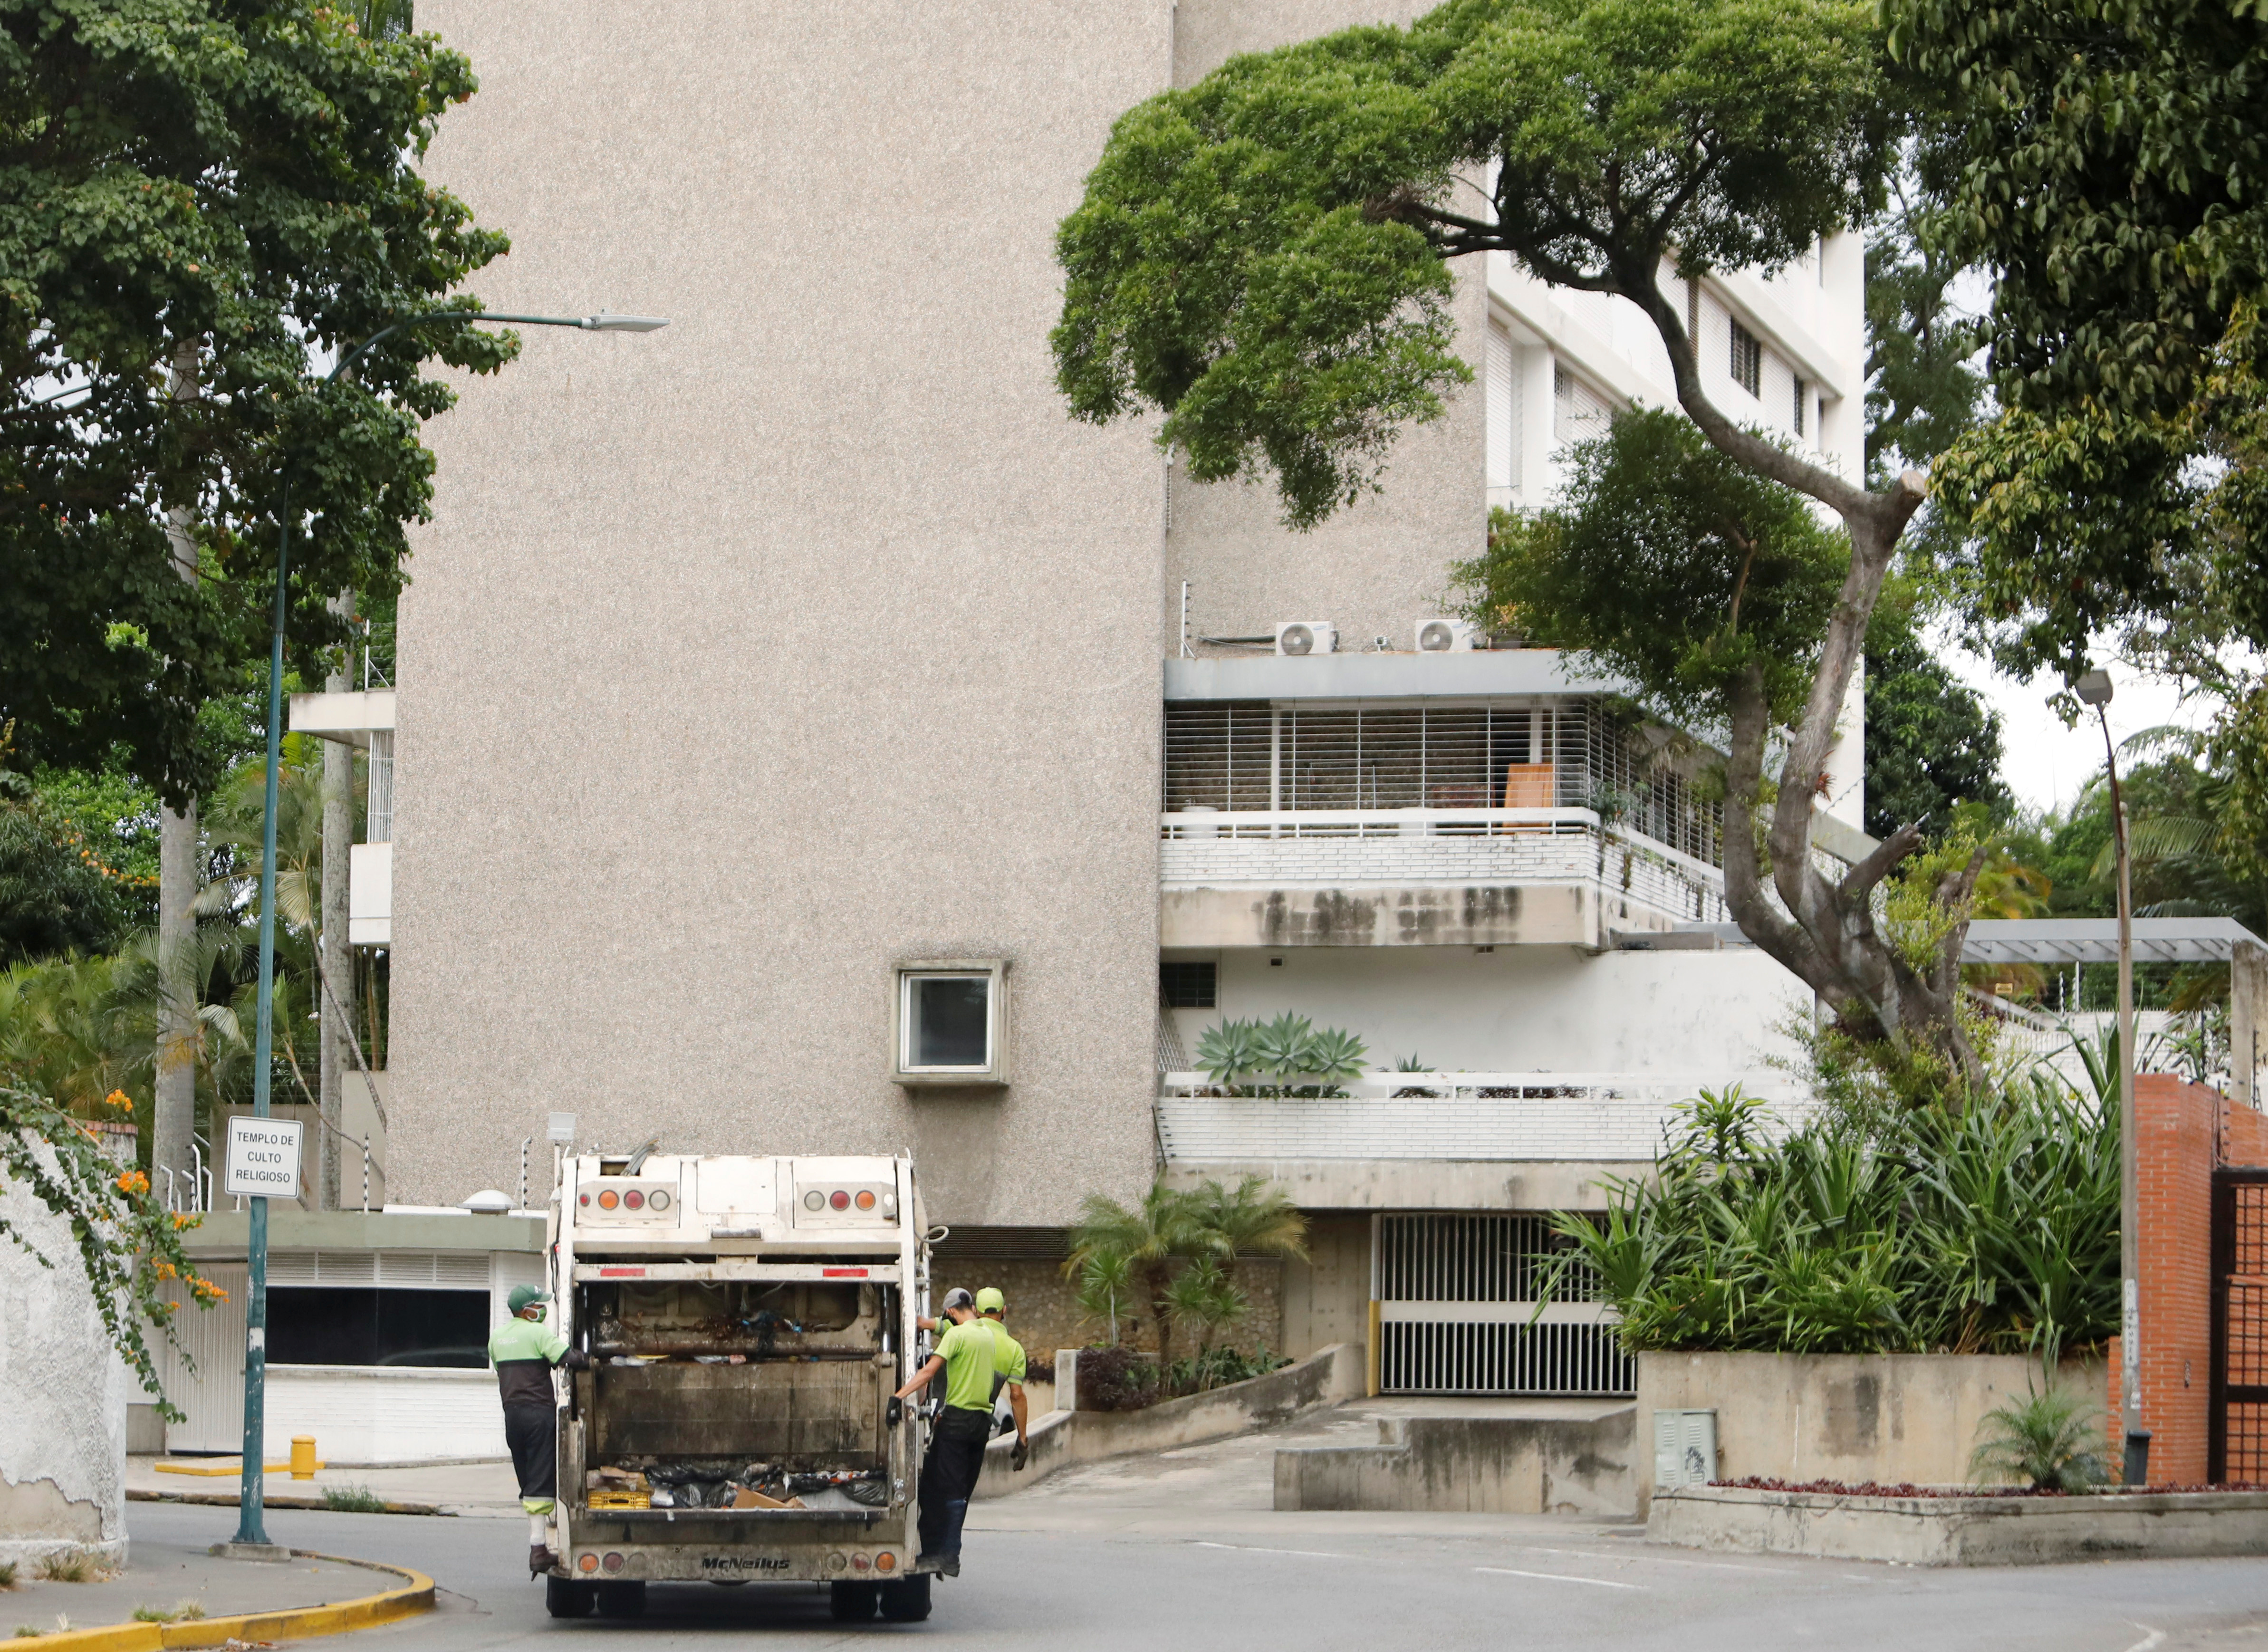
(614, 1563)
(584, 1201)
(859, 1562)
(633, 1199)
(840, 1200)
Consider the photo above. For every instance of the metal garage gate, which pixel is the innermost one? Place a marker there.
(1455, 1294)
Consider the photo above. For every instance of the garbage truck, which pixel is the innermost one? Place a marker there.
(746, 1321)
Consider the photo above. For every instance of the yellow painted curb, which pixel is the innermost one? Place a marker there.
(297, 1623)
(228, 1472)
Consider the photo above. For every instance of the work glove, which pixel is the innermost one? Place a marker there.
(1020, 1456)
(577, 1360)
(896, 1413)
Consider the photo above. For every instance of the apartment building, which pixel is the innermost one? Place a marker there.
(807, 739)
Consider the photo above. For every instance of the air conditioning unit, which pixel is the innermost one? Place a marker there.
(1446, 636)
(1307, 637)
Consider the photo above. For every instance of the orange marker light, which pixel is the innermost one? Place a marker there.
(609, 1199)
(865, 1201)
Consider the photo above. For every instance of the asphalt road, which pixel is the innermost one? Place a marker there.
(1037, 1580)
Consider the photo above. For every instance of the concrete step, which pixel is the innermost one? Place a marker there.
(1555, 1460)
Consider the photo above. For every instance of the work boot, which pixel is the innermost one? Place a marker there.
(540, 1559)
(950, 1564)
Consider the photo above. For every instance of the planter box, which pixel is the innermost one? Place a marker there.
(1883, 1419)
(1964, 1531)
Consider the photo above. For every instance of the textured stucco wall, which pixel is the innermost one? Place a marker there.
(1382, 565)
(808, 635)
(62, 1430)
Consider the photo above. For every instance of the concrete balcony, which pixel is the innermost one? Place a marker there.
(1420, 877)
(1440, 1140)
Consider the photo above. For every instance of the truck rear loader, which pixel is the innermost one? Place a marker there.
(746, 1321)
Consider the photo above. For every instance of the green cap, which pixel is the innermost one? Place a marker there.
(522, 1296)
(989, 1301)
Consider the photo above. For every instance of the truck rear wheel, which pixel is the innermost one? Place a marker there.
(852, 1603)
(906, 1600)
(565, 1597)
(621, 1600)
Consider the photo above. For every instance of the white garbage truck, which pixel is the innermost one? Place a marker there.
(746, 1321)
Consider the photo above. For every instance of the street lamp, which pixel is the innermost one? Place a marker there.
(2094, 690)
(251, 1529)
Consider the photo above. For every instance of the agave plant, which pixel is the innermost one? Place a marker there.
(1227, 1050)
(1283, 1045)
(1335, 1057)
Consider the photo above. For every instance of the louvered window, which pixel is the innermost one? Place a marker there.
(1578, 412)
(1503, 416)
(1748, 362)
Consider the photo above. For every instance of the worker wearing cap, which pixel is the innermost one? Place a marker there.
(1007, 1367)
(524, 1349)
(958, 1438)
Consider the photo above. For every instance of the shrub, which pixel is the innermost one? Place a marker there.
(1235, 1052)
(7, 1574)
(2049, 1442)
(1994, 1230)
(69, 1566)
(1217, 1367)
(1115, 1379)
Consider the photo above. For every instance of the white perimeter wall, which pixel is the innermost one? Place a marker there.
(1523, 1008)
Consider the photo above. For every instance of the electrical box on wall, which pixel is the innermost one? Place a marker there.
(1684, 1448)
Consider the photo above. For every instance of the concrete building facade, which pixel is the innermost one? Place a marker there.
(749, 664)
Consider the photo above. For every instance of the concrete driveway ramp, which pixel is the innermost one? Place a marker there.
(1549, 1458)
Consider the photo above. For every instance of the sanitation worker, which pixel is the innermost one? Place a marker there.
(524, 1349)
(957, 1441)
(1008, 1368)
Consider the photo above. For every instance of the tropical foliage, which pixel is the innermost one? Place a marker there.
(1241, 1054)
(1990, 1230)
(1180, 1247)
(2051, 1441)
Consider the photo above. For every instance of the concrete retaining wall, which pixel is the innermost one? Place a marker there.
(1064, 1437)
(1892, 1419)
(1500, 1465)
(1964, 1531)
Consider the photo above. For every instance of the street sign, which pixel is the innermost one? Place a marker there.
(263, 1158)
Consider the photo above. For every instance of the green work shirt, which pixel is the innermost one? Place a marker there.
(523, 1352)
(968, 1350)
(1007, 1355)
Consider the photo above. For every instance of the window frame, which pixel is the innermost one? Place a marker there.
(994, 1072)
(1747, 361)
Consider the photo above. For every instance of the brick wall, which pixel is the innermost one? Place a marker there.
(2182, 1132)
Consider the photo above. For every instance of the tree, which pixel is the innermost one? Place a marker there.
(197, 198)
(1922, 389)
(2102, 162)
(1262, 258)
(1171, 1228)
(1931, 744)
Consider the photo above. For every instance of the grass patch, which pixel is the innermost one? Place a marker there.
(186, 1612)
(353, 1500)
(24, 1632)
(69, 1565)
(7, 1574)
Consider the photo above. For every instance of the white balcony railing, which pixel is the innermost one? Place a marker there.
(1272, 849)
(1589, 1116)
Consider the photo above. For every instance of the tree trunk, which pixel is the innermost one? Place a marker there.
(335, 991)
(173, 1106)
(1159, 1276)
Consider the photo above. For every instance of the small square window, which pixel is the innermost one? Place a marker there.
(1189, 984)
(950, 1018)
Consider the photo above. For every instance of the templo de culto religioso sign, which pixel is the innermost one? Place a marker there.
(262, 1159)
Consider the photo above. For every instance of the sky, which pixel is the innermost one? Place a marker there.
(2044, 763)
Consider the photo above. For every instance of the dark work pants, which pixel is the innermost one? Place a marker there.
(956, 1457)
(531, 1432)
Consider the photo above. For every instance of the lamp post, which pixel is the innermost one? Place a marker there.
(251, 1529)
(2094, 690)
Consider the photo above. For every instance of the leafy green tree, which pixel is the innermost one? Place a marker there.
(2102, 162)
(1263, 258)
(1931, 744)
(56, 896)
(1922, 386)
(199, 198)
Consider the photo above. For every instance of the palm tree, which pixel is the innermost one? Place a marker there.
(1212, 1223)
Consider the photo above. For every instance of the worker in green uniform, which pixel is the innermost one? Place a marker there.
(957, 1439)
(524, 1349)
(1008, 1368)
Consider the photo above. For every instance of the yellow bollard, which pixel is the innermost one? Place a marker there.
(303, 1457)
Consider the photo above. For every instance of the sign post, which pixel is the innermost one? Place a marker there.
(262, 1161)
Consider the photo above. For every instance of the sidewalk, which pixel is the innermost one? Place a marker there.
(476, 1489)
(182, 1582)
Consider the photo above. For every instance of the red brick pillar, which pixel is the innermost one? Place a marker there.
(2182, 1132)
